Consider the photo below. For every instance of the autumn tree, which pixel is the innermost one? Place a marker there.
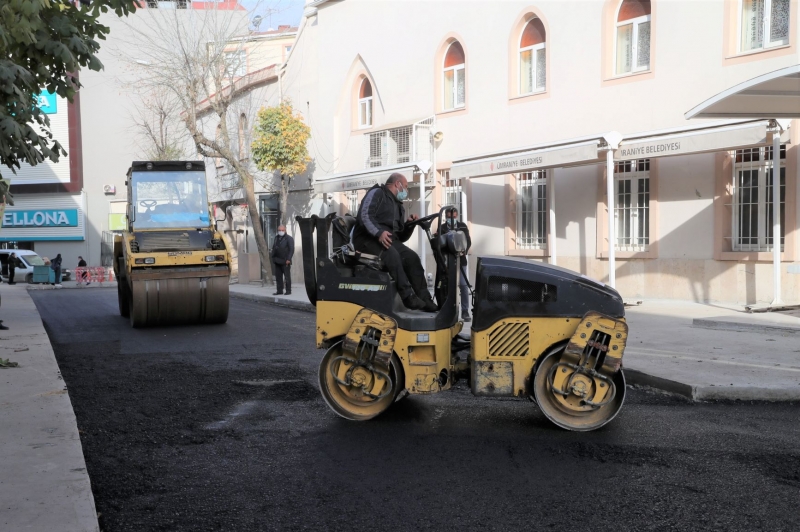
(279, 146)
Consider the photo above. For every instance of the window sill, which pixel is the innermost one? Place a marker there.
(529, 97)
(628, 255)
(758, 51)
(629, 75)
(528, 253)
(750, 256)
(452, 112)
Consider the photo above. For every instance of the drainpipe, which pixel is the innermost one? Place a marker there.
(612, 143)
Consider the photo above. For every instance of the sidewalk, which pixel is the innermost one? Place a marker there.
(700, 351)
(44, 484)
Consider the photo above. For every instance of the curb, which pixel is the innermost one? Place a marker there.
(712, 393)
(743, 327)
(274, 300)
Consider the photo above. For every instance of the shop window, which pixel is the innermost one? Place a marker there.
(764, 24)
(365, 104)
(532, 211)
(242, 137)
(532, 58)
(453, 194)
(633, 37)
(632, 205)
(753, 213)
(454, 96)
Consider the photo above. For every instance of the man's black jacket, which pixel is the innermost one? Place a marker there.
(460, 226)
(381, 211)
(282, 249)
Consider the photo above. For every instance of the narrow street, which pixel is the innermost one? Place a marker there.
(222, 428)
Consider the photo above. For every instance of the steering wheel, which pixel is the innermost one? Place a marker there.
(423, 221)
(148, 203)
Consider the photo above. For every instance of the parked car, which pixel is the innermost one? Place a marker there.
(26, 260)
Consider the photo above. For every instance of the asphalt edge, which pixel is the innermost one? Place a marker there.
(275, 300)
(738, 326)
(634, 377)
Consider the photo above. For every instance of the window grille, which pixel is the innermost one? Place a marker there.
(399, 145)
(532, 211)
(453, 194)
(753, 215)
(632, 208)
(763, 24)
(230, 181)
(168, 4)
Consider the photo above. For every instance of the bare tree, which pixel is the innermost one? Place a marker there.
(162, 135)
(192, 57)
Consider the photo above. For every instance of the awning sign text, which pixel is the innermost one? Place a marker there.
(41, 218)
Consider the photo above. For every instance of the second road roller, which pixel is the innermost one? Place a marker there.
(171, 263)
(539, 331)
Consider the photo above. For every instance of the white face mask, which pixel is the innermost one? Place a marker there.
(281, 233)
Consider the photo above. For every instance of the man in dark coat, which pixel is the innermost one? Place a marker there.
(12, 265)
(55, 265)
(282, 253)
(381, 229)
(453, 223)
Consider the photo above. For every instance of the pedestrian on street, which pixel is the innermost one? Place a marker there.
(84, 274)
(453, 224)
(282, 253)
(12, 266)
(55, 265)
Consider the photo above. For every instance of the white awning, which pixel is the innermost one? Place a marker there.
(365, 178)
(554, 155)
(772, 95)
(700, 139)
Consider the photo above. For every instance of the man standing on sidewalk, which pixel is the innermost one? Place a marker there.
(282, 253)
(12, 266)
(453, 224)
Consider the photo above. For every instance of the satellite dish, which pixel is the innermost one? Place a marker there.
(256, 21)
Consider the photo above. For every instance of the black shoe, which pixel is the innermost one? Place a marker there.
(3, 327)
(288, 293)
(278, 294)
(466, 319)
(413, 302)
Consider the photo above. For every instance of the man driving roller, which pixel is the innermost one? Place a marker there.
(381, 229)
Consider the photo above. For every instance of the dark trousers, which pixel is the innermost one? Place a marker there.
(402, 264)
(11, 275)
(283, 271)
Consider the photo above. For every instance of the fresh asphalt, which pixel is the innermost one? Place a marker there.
(222, 428)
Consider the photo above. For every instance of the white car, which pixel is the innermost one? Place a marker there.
(26, 260)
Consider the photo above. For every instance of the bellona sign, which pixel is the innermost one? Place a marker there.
(41, 218)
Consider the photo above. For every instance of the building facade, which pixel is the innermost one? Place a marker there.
(528, 106)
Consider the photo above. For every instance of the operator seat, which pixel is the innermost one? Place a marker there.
(342, 229)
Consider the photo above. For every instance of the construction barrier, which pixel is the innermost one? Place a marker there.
(97, 274)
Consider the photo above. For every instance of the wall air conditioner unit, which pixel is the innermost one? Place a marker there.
(109, 189)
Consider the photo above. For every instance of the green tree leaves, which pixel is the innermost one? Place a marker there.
(280, 141)
(43, 45)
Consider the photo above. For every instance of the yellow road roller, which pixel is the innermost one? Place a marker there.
(538, 331)
(171, 263)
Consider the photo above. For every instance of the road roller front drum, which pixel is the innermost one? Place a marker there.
(179, 301)
(576, 398)
(355, 390)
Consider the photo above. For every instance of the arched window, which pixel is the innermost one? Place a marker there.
(633, 37)
(365, 104)
(532, 66)
(242, 136)
(455, 89)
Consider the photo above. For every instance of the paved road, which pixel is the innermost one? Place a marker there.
(222, 428)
